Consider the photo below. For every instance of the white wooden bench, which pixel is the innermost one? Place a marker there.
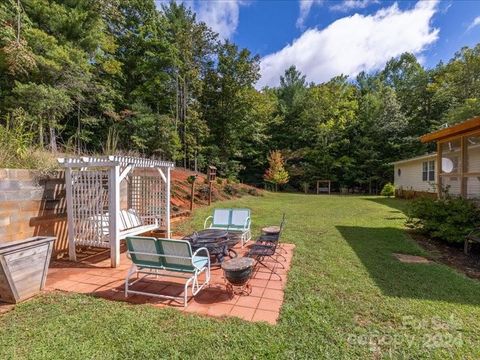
(131, 224)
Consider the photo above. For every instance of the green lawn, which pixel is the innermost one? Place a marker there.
(346, 297)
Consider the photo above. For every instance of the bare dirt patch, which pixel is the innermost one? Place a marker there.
(411, 259)
(451, 255)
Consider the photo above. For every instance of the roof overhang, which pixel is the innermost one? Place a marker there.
(417, 158)
(452, 131)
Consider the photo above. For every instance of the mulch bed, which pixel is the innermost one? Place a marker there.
(451, 255)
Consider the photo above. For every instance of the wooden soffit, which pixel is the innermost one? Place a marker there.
(453, 131)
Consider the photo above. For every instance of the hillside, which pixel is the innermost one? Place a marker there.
(222, 189)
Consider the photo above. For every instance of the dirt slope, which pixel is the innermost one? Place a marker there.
(222, 190)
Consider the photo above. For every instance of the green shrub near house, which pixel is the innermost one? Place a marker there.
(388, 190)
(449, 219)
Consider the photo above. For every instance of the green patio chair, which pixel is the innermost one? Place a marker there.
(219, 220)
(232, 220)
(170, 258)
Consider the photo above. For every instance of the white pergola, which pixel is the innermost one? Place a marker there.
(98, 214)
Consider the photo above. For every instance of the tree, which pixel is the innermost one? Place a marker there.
(194, 46)
(276, 172)
(46, 105)
(227, 107)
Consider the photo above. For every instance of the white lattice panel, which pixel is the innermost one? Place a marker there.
(90, 207)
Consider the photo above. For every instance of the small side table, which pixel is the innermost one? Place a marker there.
(271, 230)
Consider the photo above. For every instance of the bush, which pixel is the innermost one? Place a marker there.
(388, 190)
(230, 190)
(449, 219)
(305, 186)
(232, 180)
(203, 191)
(253, 192)
(17, 146)
(191, 179)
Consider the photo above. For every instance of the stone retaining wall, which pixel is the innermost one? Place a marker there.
(33, 204)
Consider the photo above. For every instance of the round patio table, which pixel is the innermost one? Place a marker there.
(218, 242)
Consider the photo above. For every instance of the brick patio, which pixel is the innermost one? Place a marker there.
(94, 276)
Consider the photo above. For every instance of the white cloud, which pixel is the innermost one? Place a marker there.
(221, 16)
(347, 5)
(474, 23)
(353, 44)
(305, 7)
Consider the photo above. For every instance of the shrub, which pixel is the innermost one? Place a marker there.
(203, 191)
(305, 186)
(449, 219)
(388, 190)
(230, 190)
(219, 181)
(242, 190)
(253, 192)
(232, 180)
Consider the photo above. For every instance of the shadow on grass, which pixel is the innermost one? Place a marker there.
(400, 205)
(374, 247)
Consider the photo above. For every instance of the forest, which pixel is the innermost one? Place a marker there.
(130, 76)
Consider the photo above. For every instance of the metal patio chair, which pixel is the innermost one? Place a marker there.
(166, 257)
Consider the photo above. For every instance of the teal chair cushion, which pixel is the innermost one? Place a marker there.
(200, 261)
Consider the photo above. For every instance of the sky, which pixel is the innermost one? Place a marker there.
(328, 38)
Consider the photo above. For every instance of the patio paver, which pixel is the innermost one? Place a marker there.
(95, 276)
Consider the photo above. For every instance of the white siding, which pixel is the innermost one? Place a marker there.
(411, 171)
(473, 165)
(410, 177)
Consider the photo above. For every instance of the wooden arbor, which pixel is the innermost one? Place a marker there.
(323, 186)
(111, 197)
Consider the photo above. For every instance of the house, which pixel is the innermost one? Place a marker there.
(417, 175)
(453, 169)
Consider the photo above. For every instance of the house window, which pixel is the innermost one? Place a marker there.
(399, 172)
(428, 170)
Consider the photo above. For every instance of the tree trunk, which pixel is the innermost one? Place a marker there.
(79, 129)
(53, 140)
(40, 135)
(185, 121)
(192, 195)
(196, 161)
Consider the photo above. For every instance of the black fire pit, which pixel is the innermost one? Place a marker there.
(238, 272)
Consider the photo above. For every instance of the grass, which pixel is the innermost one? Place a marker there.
(346, 297)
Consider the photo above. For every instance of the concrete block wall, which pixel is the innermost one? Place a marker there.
(33, 204)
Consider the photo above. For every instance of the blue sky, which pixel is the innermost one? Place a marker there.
(327, 38)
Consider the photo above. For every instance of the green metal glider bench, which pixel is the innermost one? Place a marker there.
(167, 257)
(233, 220)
